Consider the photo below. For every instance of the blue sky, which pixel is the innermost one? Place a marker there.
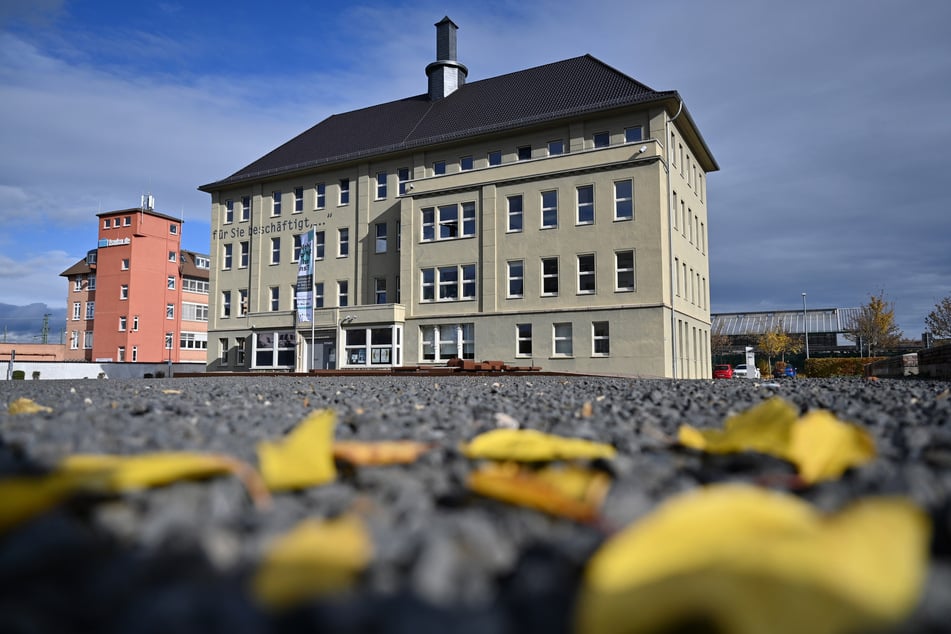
(828, 119)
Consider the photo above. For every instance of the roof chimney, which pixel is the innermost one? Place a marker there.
(445, 74)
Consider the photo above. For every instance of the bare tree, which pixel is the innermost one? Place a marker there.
(938, 321)
(874, 327)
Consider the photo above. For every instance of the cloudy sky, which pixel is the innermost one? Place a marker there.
(829, 119)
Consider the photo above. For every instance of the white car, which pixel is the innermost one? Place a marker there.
(740, 372)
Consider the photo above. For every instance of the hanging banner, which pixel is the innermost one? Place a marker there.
(305, 278)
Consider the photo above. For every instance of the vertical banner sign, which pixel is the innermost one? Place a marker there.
(305, 278)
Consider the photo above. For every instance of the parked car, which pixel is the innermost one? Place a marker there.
(723, 371)
(784, 371)
(741, 372)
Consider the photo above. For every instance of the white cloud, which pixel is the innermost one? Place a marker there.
(35, 279)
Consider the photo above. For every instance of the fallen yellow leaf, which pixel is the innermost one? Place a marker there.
(746, 560)
(571, 492)
(385, 452)
(25, 497)
(304, 458)
(763, 428)
(529, 445)
(27, 406)
(315, 558)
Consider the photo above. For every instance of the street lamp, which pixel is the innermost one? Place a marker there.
(805, 324)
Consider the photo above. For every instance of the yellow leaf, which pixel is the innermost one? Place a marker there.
(571, 492)
(763, 428)
(379, 453)
(25, 497)
(747, 560)
(171, 391)
(27, 406)
(304, 458)
(529, 445)
(315, 558)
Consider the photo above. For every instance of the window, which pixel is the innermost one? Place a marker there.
(446, 217)
(343, 243)
(524, 152)
(107, 223)
(447, 341)
(549, 276)
(245, 256)
(600, 339)
(296, 254)
(298, 200)
(379, 287)
(495, 157)
(439, 168)
(135, 353)
(135, 321)
(633, 134)
(242, 302)
(602, 139)
(624, 200)
(465, 163)
(122, 323)
(172, 256)
(223, 350)
(383, 349)
(468, 219)
(585, 205)
(343, 293)
(194, 312)
(275, 298)
(173, 229)
(120, 354)
(319, 295)
(556, 147)
(77, 310)
(90, 310)
(87, 339)
(448, 222)
(245, 208)
(402, 177)
(194, 285)
(226, 303)
(124, 291)
(226, 256)
(169, 311)
(381, 237)
(275, 203)
(125, 264)
(448, 283)
(344, 191)
(240, 345)
(514, 213)
(320, 196)
(92, 283)
(428, 285)
(429, 224)
(229, 211)
(454, 282)
(126, 221)
(78, 283)
(193, 341)
(561, 340)
(381, 185)
(586, 274)
(516, 278)
(171, 283)
(549, 209)
(319, 241)
(523, 340)
(275, 250)
(624, 267)
(169, 340)
(74, 340)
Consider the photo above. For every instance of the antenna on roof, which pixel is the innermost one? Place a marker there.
(148, 202)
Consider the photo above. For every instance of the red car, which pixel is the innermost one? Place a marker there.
(723, 371)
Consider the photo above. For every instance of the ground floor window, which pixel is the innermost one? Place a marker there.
(600, 338)
(193, 341)
(523, 338)
(275, 349)
(562, 340)
(447, 341)
(381, 345)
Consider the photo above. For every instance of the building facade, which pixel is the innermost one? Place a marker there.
(555, 216)
(138, 297)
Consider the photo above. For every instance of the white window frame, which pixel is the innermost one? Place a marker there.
(320, 196)
(274, 300)
(548, 275)
(227, 254)
(170, 283)
(381, 185)
(458, 341)
(123, 322)
(276, 250)
(87, 339)
(379, 290)
(523, 338)
(344, 192)
(619, 271)
(622, 200)
(298, 200)
(343, 242)
(90, 310)
(77, 310)
(276, 203)
(561, 333)
(579, 205)
(585, 274)
(603, 338)
(169, 311)
(515, 275)
(513, 212)
(381, 231)
(549, 205)
(74, 340)
(343, 293)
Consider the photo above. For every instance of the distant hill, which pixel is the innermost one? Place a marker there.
(24, 324)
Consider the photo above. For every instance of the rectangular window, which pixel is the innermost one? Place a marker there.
(549, 276)
(135, 321)
(454, 282)
(602, 139)
(516, 278)
(402, 177)
(446, 341)
(240, 345)
(633, 134)
(125, 264)
(275, 250)
(245, 254)
(549, 209)
(586, 277)
(381, 237)
(343, 243)
(468, 281)
(243, 304)
(448, 283)
(229, 211)
(275, 203)
(194, 312)
(107, 223)
(600, 339)
(122, 323)
(523, 340)
(169, 340)
(223, 350)
(428, 285)
(90, 310)
(439, 168)
(92, 283)
(495, 157)
(514, 213)
(74, 340)
(298, 199)
(124, 291)
(172, 256)
(624, 200)
(585, 205)
(78, 283)
(343, 293)
(556, 147)
(120, 354)
(173, 229)
(468, 220)
(226, 303)
(524, 152)
(77, 310)
(296, 256)
(465, 163)
(379, 287)
(320, 196)
(448, 222)
(381, 185)
(429, 224)
(87, 339)
(245, 208)
(169, 311)
(561, 340)
(319, 295)
(193, 285)
(624, 267)
(171, 283)
(193, 341)
(446, 218)
(344, 191)
(127, 221)
(135, 353)
(319, 242)
(275, 298)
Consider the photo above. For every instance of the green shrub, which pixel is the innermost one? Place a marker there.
(19, 375)
(848, 366)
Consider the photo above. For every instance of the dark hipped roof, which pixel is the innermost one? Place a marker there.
(537, 95)
(80, 268)
(190, 268)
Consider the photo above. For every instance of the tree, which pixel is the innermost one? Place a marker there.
(939, 320)
(775, 341)
(719, 342)
(873, 327)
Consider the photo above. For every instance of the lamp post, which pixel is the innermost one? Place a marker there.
(805, 324)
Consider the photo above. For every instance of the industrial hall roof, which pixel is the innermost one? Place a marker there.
(829, 320)
(568, 88)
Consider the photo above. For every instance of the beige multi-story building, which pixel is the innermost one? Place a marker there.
(555, 216)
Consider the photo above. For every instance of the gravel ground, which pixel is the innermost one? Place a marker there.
(177, 559)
